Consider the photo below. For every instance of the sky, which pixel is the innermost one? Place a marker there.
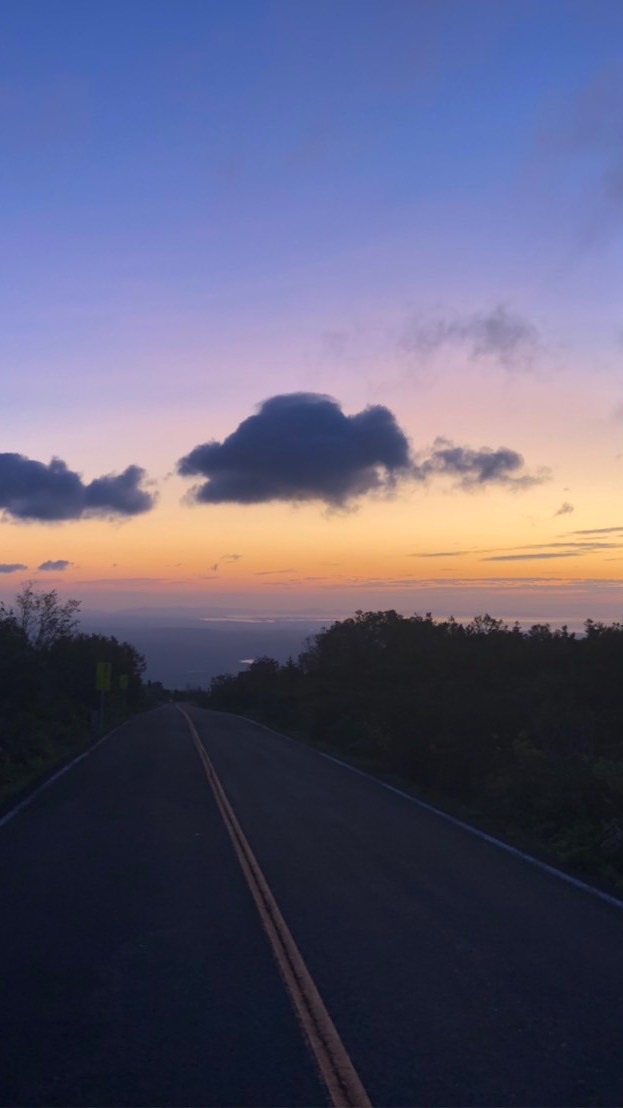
(316, 306)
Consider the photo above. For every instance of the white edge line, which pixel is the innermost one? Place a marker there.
(614, 901)
(55, 776)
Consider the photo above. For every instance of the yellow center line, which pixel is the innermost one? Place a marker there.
(336, 1069)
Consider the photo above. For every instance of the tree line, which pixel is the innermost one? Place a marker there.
(48, 695)
(521, 728)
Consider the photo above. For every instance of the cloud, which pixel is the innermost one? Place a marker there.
(224, 558)
(11, 567)
(55, 567)
(119, 494)
(442, 554)
(301, 447)
(533, 557)
(498, 334)
(529, 551)
(583, 545)
(554, 550)
(32, 490)
(598, 531)
(565, 509)
(271, 572)
(475, 468)
(588, 141)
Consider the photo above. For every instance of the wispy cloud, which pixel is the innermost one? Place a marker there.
(498, 334)
(598, 531)
(586, 143)
(565, 509)
(58, 566)
(223, 560)
(442, 554)
(11, 567)
(476, 468)
(529, 551)
(554, 550)
(272, 572)
(532, 557)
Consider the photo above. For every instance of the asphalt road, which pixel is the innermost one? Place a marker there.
(136, 969)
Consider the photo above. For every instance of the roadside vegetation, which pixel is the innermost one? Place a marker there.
(49, 704)
(521, 731)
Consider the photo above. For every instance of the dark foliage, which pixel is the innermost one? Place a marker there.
(48, 698)
(524, 728)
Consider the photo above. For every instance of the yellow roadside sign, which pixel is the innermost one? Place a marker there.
(103, 676)
(123, 681)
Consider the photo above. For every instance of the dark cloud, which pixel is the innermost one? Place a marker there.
(55, 567)
(119, 494)
(11, 567)
(474, 468)
(565, 509)
(299, 447)
(500, 334)
(32, 490)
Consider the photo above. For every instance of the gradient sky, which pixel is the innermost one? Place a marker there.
(413, 205)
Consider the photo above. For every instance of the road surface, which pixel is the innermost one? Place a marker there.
(139, 967)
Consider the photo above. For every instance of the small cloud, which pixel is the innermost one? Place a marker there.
(11, 567)
(271, 572)
(301, 447)
(32, 490)
(565, 509)
(55, 567)
(498, 334)
(442, 554)
(475, 468)
(223, 560)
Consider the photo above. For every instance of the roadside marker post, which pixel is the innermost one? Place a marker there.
(124, 682)
(103, 683)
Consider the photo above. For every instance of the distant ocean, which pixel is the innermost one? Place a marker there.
(185, 655)
(189, 652)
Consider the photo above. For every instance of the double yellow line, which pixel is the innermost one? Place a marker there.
(336, 1069)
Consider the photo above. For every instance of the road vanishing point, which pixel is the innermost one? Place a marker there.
(203, 912)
